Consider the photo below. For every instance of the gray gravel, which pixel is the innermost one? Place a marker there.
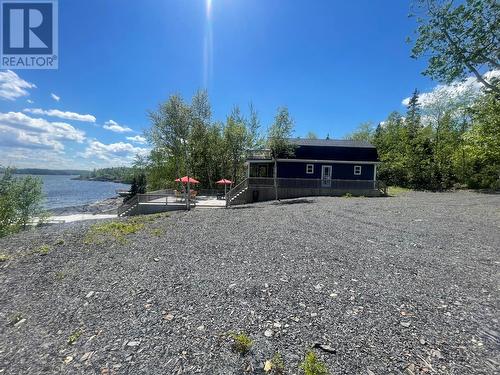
(408, 284)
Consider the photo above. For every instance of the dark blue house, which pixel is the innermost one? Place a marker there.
(315, 167)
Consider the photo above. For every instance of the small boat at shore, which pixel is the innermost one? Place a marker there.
(122, 192)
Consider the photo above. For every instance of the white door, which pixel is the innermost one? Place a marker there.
(326, 176)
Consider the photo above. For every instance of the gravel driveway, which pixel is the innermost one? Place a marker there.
(403, 285)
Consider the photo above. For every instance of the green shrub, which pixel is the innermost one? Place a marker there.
(20, 201)
(242, 343)
(313, 366)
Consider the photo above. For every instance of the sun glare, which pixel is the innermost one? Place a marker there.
(208, 46)
(209, 8)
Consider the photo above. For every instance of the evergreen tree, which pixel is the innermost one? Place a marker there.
(418, 153)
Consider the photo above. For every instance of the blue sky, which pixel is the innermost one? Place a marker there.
(335, 64)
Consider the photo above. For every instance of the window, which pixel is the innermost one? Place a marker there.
(357, 170)
(309, 168)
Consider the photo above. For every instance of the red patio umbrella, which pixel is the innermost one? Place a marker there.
(225, 183)
(187, 179)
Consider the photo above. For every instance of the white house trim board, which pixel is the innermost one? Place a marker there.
(323, 161)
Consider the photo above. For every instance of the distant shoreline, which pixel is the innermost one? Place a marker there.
(47, 172)
(100, 179)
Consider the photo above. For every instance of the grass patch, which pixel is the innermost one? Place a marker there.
(277, 364)
(157, 232)
(242, 343)
(74, 337)
(59, 242)
(347, 195)
(311, 365)
(4, 257)
(42, 250)
(117, 230)
(394, 191)
(60, 275)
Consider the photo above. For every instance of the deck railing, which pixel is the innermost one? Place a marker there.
(165, 197)
(258, 154)
(309, 183)
(293, 187)
(128, 205)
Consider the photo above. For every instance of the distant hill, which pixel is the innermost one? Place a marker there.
(118, 174)
(38, 171)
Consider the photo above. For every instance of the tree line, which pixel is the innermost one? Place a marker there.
(454, 139)
(185, 141)
(444, 145)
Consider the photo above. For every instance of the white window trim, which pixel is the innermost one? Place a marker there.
(312, 168)
(357, 170)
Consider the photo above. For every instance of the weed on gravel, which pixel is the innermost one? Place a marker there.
(73, 338)
(394, 191)
(277, 364)
(4, 257)
(242, 343)
(118, 230)
(313, 366)
(42, 250)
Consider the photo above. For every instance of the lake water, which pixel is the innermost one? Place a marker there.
(62, 191)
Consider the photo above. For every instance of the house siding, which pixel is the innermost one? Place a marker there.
(339, 171)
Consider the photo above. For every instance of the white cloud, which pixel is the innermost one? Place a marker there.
(119, 153)
(55, 97)
(60, 114)
(468, 89)
(115, 127)
(29, 101)
(12, 86)
(30, 158)
(21, 131)
(137, 139)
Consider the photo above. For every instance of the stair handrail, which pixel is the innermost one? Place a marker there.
(235, 190)
(132, 202)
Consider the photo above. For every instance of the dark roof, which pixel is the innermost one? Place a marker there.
(329, 142)
(333, 149)
(325, 149)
